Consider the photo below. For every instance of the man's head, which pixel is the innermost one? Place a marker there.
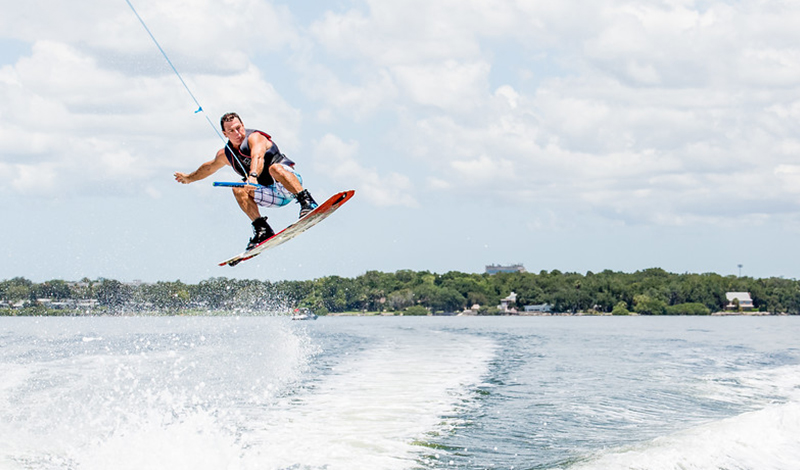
(232, 127)
(228, 117)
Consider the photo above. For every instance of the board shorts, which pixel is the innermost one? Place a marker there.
(276, 195)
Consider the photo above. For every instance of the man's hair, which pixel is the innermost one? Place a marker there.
(228, 117)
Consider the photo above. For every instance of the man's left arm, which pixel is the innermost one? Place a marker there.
(258, 148)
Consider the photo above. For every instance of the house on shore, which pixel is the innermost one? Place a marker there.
(539, 309)
(470, 312)
(739, 301)
(505, 304)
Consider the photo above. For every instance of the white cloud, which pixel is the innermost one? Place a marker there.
(338, 160)
(358, 101)
(509, 94)
(486, 172)
(439, 184)
(452, 86)
(27, 179)
(619, 111)
(79, 125)
(398, 33)
(658, 121)
(199, 35)
(650, 109)
(257, 102)
(788, 175)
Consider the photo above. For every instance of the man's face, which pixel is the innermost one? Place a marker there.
(234, 131)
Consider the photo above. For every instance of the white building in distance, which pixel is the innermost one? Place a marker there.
(743, 298)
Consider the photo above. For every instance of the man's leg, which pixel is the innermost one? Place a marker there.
(245, 198)
(261, 229)
(289, 181)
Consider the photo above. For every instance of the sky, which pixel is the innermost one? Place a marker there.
(571, 135)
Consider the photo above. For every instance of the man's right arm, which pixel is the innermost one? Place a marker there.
(205, 170)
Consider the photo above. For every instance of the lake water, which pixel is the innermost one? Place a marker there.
(374, 393)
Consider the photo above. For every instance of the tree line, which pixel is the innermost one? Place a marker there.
(648, 292)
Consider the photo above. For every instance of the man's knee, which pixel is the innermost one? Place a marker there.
(276, 170)
(287, 177)
(283, 174)
(241, 193)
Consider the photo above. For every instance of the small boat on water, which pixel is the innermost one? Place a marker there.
(303, 314)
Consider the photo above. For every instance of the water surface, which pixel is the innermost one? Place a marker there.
(400, 393)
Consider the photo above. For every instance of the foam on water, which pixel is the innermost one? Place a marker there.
(765, 439)
(388, 393)
(368, 412)
(149, 393)
(197, 398)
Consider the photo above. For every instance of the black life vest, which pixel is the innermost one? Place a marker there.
(242, 159)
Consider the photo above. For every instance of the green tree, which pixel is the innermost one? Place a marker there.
(400, 300)
(54, 289)
(691, 308)
(426, 293)
(646, 305)
(620, 309)
(447, 299)
(17, 289)
(112, 294)
(218, 293)
(169, 296)
(416, 310)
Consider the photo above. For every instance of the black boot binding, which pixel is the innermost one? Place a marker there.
(262, 231)
(307, 203)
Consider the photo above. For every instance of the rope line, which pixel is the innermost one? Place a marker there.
(188, 90)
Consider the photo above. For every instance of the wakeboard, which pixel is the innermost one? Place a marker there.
(311, 219)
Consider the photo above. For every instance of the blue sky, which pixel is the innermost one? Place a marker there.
(616, 135)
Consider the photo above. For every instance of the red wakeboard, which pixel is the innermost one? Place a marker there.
(311, 219)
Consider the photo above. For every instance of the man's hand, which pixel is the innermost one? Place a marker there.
(182, 178)
(205, 170)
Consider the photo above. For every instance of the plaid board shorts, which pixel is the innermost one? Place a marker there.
(276, 195)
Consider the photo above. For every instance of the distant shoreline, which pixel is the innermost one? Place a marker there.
(38, 313)
(580, 314)
(649, 292)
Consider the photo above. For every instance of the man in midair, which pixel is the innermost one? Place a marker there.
(255, 157)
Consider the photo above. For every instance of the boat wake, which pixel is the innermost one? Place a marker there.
(767, 438)
(195, 399)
